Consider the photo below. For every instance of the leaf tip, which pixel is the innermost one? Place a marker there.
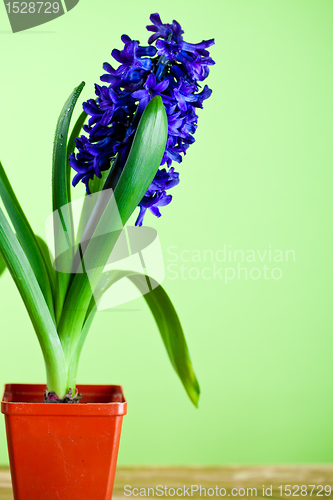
(195, 394)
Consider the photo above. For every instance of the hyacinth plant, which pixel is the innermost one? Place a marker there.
(139, 125)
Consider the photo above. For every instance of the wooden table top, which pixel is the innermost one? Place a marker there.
(227, 477)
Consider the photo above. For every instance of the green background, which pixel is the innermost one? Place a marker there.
(260, 174)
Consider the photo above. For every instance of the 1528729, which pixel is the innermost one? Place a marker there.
(33, 7)
(312, 490)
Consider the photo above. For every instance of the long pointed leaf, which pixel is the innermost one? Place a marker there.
(2, 265)
(71, 146)
(26, 237)
(34, 300)
(44, 249)
(166, 319)
(63, 225)
(141, 166)
(171, 332)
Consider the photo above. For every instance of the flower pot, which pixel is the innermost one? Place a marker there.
(63, 451)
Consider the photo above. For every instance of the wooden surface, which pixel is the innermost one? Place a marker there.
(227, 477)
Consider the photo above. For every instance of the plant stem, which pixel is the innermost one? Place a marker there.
(57, 378)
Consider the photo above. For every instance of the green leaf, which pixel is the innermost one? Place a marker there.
(26, 237)
(171, 331)
(63, 225)
(166, 319)
(24, 277)
(2, 265)
(142, 164)
(61, 150)
(144, 158)
(44, 249)
(71, 146)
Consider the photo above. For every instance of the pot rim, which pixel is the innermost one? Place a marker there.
(26, 399)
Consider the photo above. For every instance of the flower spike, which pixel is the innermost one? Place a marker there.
(172, 69)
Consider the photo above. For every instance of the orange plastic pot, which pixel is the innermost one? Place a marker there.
(63, 451)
